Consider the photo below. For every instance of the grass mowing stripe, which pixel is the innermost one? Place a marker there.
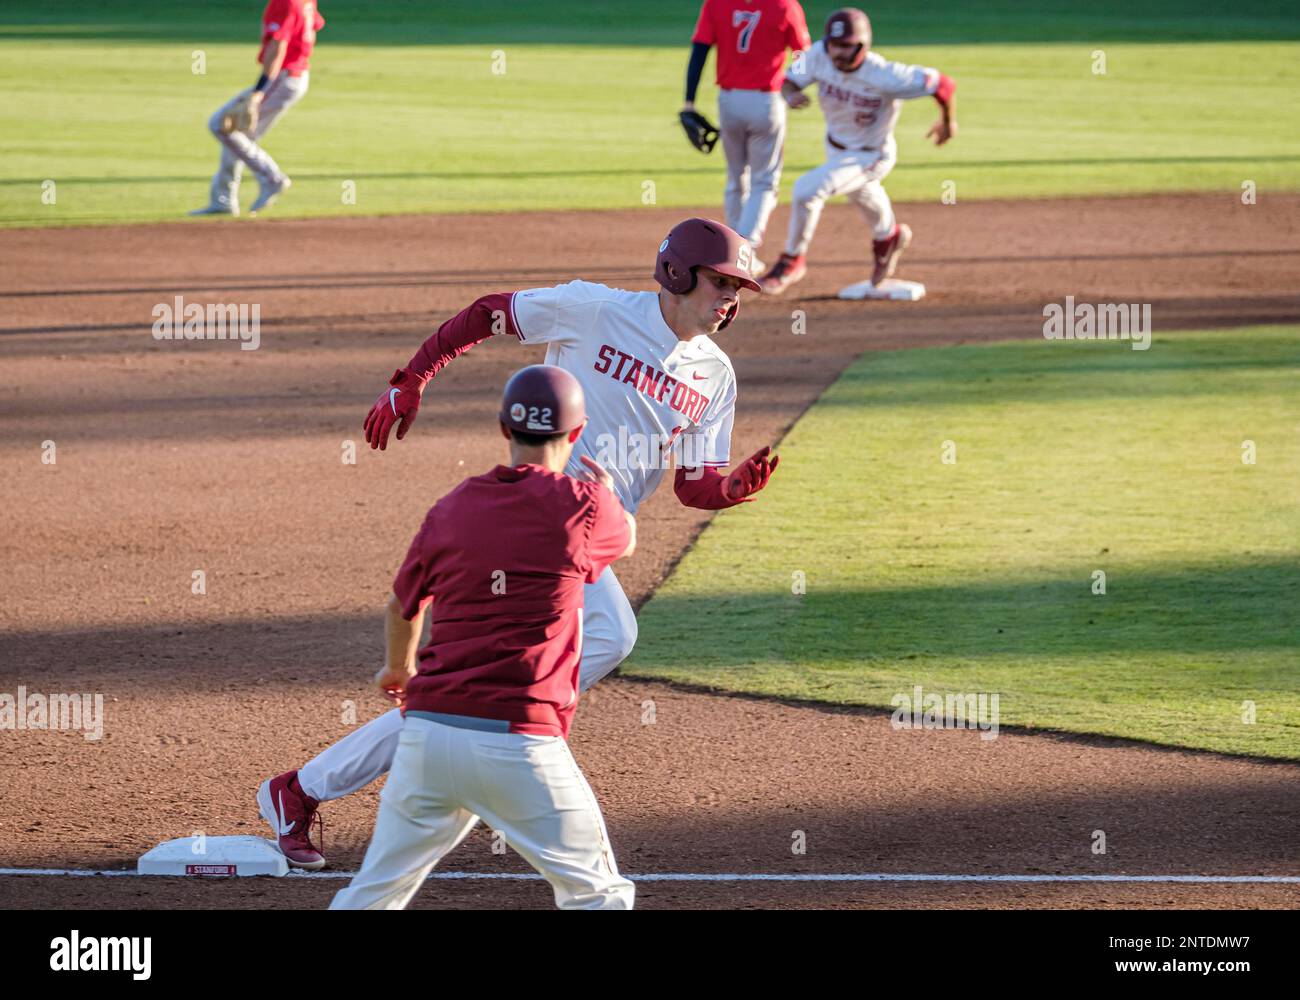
(430, 128)
(979, 576)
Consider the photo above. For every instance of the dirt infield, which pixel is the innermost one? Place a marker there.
(177, 457)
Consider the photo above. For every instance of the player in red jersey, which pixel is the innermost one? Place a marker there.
(288, 36)
(752, 37)
(502, 559)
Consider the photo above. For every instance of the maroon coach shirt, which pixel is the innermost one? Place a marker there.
(503, 558)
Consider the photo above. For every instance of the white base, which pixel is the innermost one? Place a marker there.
(213, 856)
(890, 288)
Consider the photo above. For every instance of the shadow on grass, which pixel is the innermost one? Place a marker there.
(1059, 370)
(1189, 610)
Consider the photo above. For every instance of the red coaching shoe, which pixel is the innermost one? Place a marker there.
(785, 272)
(888, 251)
(290, 811)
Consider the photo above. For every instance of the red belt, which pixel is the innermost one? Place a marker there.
(849, 149)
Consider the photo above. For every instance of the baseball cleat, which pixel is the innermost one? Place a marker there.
(784, 273)
(270, 190)
(216, 210)
(888, 251)
(756, 266)
(290, 811)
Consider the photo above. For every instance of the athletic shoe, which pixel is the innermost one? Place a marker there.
(888, 251)
(216, 210)
(290, 811)
(756, 266)
(270, 190)
(784, 273)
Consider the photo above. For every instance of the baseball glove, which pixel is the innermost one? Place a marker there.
(699, 130)
(242, 116)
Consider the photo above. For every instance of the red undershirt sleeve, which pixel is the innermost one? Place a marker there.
(484, 318)
(943, 93)
(704, 488)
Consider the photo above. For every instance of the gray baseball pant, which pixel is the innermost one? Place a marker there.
(752, 124)
(238, 149)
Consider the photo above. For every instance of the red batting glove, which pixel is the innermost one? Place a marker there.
(751, 476)
(396, 405)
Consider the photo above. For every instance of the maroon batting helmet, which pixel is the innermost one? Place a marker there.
(704, 243)
(848, 24)
(543, 400)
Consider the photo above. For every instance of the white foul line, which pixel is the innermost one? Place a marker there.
(757, 877)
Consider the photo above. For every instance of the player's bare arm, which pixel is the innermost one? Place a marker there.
(793, 95)
(596, 473)
(272, 61)
(402, 637)
(946, 127)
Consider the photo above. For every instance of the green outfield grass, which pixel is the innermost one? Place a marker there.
(102, 100)
(978, 576)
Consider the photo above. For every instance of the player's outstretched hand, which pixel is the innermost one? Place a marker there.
(751, 475)
(395, 405)
(797, 99)
(596, 473)
(941, 131)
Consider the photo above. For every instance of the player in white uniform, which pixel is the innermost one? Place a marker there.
(861, 95)
(656, 386)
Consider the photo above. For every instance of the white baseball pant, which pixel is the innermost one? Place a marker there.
(608, 635)
(528, 788)
(752, 125)
(857, 174)
(238, 149)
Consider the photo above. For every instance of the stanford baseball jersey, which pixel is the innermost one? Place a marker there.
(752, 37)
(861, 107)
(649, 395)
(293, 21)
(502, 560)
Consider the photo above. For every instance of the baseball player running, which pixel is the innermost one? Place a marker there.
(861, 95)
(752, 37)
(288, 35)
(656, 386)
(488, 710)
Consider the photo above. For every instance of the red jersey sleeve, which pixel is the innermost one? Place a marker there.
(796, 28)
(280, 21)
(704, 26)
(413, 585)
(609, 534)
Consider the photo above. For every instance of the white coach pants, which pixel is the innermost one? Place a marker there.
(238, 149)
(528, 788)
(855, 174)
(752, 126)
(608, 635)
